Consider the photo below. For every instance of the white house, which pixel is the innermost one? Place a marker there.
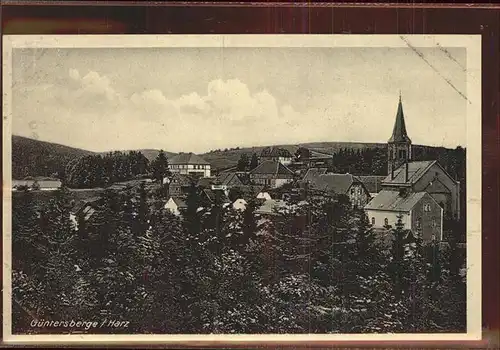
(240, 204)
(175, 205)
(419, 212)
(189, 164)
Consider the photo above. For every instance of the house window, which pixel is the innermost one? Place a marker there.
(373, 221)
(427, 207)
(402, 153)
(386, 222)
(434, 223)
(352, 190)
(419, 223)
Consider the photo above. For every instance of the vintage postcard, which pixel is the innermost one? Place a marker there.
(241, 188)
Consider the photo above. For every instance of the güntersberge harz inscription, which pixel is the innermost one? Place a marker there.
(239, 190)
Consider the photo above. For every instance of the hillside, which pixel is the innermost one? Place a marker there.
(39, 158)
(223, 159)
(150, 154)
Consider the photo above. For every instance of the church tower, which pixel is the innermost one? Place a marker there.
(399, 145)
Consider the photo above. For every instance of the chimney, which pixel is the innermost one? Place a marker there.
(406, 171)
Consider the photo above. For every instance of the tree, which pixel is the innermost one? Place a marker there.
(254, 161)
(159, 167)
(243, 162)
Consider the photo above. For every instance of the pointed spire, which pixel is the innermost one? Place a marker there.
(399, 133)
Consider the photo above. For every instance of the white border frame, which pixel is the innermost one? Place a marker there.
(472, 43)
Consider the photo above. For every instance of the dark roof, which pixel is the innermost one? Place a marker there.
(338, 183)
(393, 201)
(251, 190)
(179, 202)
(188, 158)
(226, 178)
(415, 171)
(211, 195)
(275, 152)
(205, 181)
(181, 179)
(271, 167)
(372, 183)
(399, 133)
(313, 173)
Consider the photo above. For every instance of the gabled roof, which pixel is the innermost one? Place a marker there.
(181, 179)
(393, 201)
(275, 152)
(226, 178)
(399, 133)
(372, 183)
(188, 158)
(271, 167)
(210, 194)
(313, 173)
(415, 171)
(205, 181)
(338, 183)
(179, 202)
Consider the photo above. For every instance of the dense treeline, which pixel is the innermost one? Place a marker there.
(102, 170)
(368, 161)
(314, 267)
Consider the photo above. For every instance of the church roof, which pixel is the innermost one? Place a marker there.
(188, 158)
(415, 171)
(399, 133)
(393, 201)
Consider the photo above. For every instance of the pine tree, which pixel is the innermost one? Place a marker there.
(159, 167)
(254, 161)
(243, 162)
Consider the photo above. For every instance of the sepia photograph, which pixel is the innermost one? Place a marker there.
(242, 185)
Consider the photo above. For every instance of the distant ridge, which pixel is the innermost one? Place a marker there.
(40, 158)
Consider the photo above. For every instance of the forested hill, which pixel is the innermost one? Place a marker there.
(39, 158)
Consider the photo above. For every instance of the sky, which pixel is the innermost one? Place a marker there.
(200, 99)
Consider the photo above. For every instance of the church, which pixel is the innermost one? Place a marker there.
(421, 193)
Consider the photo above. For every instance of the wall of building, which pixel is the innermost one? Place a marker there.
(358, 196)
(391, 216)
(452, 200)
(427, 219)
(202, 170)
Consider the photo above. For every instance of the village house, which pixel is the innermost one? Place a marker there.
(84, 210)
(189, 164)
(419, 212)
(234, 179)
(276, 154)
(340, 184)
(271, 173)
(37, 184)
(179, 184)
(175, 205)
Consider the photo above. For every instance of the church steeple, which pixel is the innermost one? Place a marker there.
(399, 133)
(399, 145)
